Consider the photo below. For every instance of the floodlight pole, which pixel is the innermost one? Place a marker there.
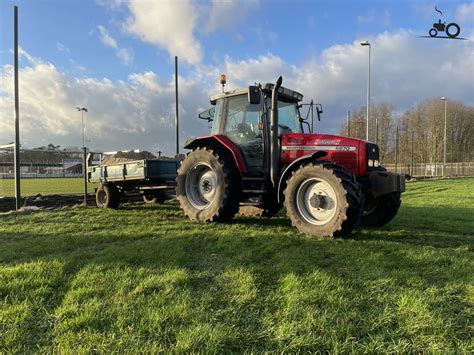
(177, 107)
(17, 114)
(367, 43)
(84, 155)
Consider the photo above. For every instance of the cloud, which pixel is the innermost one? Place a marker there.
(227, 14)
(139, 112)
(405, 71)
(124, 54)
(136, 113)
(106, 39)
(167, 24)
(62, 48)
(465, 12)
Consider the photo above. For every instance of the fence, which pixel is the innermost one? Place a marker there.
(434, 170)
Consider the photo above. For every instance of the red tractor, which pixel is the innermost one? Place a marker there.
(258, 155)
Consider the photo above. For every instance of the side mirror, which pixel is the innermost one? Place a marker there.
(208, 115)
(254, 95)
(319, 111)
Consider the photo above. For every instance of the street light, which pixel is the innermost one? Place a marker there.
(445, 129)
(84, 165)
(82, 110)
(367, 43)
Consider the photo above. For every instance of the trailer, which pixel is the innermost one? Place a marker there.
(155, 179)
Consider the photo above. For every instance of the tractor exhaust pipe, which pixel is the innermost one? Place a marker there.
(274, 150)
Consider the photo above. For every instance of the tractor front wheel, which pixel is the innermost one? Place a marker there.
(323, 200)
(208, 186)
(378, 211)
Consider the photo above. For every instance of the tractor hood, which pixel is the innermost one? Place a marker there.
(351, 152)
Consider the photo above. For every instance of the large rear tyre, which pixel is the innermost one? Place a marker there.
(324, 200)
(208, 186)
(107, 196)
(378, 211)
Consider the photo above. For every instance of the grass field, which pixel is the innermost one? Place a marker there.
(53, 186)
(143, 278)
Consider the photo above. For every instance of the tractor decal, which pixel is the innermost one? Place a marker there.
(318, 147)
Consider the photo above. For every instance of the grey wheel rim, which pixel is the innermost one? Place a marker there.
(316, 201)
(201, 185)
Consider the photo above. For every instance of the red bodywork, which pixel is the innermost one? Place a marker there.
(348, 152)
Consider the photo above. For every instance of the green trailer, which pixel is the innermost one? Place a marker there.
(155, 179)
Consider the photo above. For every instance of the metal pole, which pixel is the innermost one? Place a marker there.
(445, 126)
(348, 123)
(412, 153)
(396, 151)
(82, 126)
(17, 114)
(85, 174)
(368, 96)
(177, 111)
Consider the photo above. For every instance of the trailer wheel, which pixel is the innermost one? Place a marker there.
(107, 196)
(378, 211)
(208, 186)
(154, 198)
(324, 200)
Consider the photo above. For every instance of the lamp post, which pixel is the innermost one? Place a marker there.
(367, 43)
(445, 131)
(84, 149)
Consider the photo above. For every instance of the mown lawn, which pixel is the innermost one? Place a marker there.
(46, 186)
(143, 278)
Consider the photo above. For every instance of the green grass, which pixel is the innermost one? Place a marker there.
(143, 278)
(47, 186)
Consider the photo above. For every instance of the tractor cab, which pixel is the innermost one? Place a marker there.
(240, 118)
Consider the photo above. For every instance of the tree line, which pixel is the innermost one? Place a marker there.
(417, 135)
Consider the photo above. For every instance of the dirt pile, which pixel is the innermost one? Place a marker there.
(123, 157)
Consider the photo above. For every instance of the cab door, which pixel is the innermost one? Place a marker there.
(242, 125)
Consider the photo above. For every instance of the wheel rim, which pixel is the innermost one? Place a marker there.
(201, 185)
(316, 201)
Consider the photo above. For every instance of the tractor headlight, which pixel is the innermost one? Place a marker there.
(371, 162)
(376, 163)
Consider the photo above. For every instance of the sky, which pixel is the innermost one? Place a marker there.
(116, 58)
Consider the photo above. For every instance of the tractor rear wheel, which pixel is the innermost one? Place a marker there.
(107, 196)
(208, 186)
(378, 211)
(323, 199)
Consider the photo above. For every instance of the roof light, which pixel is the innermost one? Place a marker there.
(223, 79)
